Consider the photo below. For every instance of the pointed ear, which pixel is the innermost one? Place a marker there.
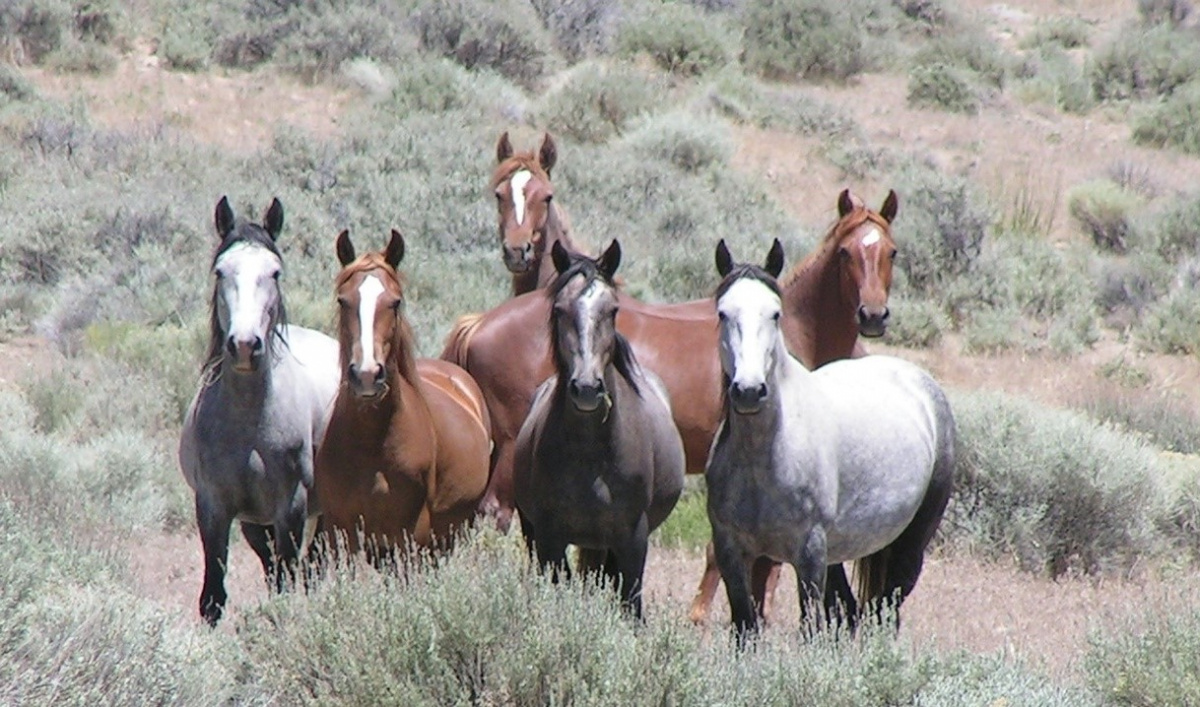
(224, 217)
(774, 264)
(345, 249)
(548, 154)
(504, 148)
(845, 203)
(724, 259)
(610, 259)
(395, 250)
(273, 220)
(890, 205)
(560, 256)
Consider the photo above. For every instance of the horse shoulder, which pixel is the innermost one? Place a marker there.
(460, 455)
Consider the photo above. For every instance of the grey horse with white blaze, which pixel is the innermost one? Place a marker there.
(265, 396)
(853, 461)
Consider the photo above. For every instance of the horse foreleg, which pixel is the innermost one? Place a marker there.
(764, 579)
(840, 605)
(289, 540)
(552, 555)
(734, 564)
(213, 522)
(630, 564)
(702, 602)
(810, 578)
(261, 539)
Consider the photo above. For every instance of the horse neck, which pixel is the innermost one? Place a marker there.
(819, 323)
(789, 380)
(541, 276)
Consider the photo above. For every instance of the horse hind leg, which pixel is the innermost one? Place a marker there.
(707, 590)
(764, 579)
(214, 523)
(841, 609)
(261, 539)
(289, 541)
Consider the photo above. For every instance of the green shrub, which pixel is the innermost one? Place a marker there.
(1105, 211)
(1061, 31)
(1051, 488)
(915, 323)
(1127, 286)
(942, 227)
(1172, 324)
(1171, 122)
(930, 15)
(680, 38)
(580, 28)
(806, 39)
(597, 101)
(1168, 12)
(993, 330)
(1144, 63)
(971, 51)
(1168, 422)
(1051, 76)
(323, 40)
(943, 87)
(506, 36)
(1147, 660)
(34, 28)
(1174, 233)
(82, 58)
(746, 100)
(691, 143)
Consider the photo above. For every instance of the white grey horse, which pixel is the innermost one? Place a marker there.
(853, 461)
(266, 391)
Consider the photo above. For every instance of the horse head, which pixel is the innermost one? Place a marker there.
(583, 325)
(749, 307)
(521, 183)
(373, 334)
(866, 252)
(247, 304)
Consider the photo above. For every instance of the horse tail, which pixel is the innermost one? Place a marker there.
(455, 348)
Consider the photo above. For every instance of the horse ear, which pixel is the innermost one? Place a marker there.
(724, 259)
(610, 259)
(504, 148)
(560, 256)
(345, 249)
(890, 206)
(774, 264)
(273, 220)
(845, 203)
(395, 249)
(224, 217)
(548, 154)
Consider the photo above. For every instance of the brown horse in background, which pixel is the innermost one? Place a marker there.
(530, 221)
(405, 457)
(837, 292)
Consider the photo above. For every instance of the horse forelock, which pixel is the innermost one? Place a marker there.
(519, 161)
(744, 271)
(250, 235)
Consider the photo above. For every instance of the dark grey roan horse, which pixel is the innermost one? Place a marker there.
(598, 463)
(853, 461)
(266, 391)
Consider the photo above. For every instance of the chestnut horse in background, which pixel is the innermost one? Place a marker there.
(405, 457)
(530, 222)
(838, 292)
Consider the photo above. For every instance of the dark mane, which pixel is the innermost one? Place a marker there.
(403, 339)
(746, 270)
(623, 359)
(257, 236)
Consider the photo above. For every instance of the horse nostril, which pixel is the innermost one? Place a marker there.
(573, 388)
(379, 374)
(257, 345)
(886, 313)
(231, 346)
(762, 391)
(352, 370)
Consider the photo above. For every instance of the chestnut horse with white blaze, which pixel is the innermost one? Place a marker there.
(837, 293)
(405, 457)
(530, 221)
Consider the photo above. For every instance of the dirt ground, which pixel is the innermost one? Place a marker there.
(1011, 147)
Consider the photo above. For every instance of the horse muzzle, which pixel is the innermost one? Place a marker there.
(519, 259)
(245, 353)
(873, 321)
(589, 398)
(367, 384)
(747, 400)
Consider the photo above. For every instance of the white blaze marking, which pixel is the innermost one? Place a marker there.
(247, 266)
(519, 180)
(871, 238)
(368, 295)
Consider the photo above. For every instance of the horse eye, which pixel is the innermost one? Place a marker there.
(844, 252)
(775, 316)
(275, 275)
(343, 302)
(499, 196)
(892, 255)
(721, 316)
(549, 198)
